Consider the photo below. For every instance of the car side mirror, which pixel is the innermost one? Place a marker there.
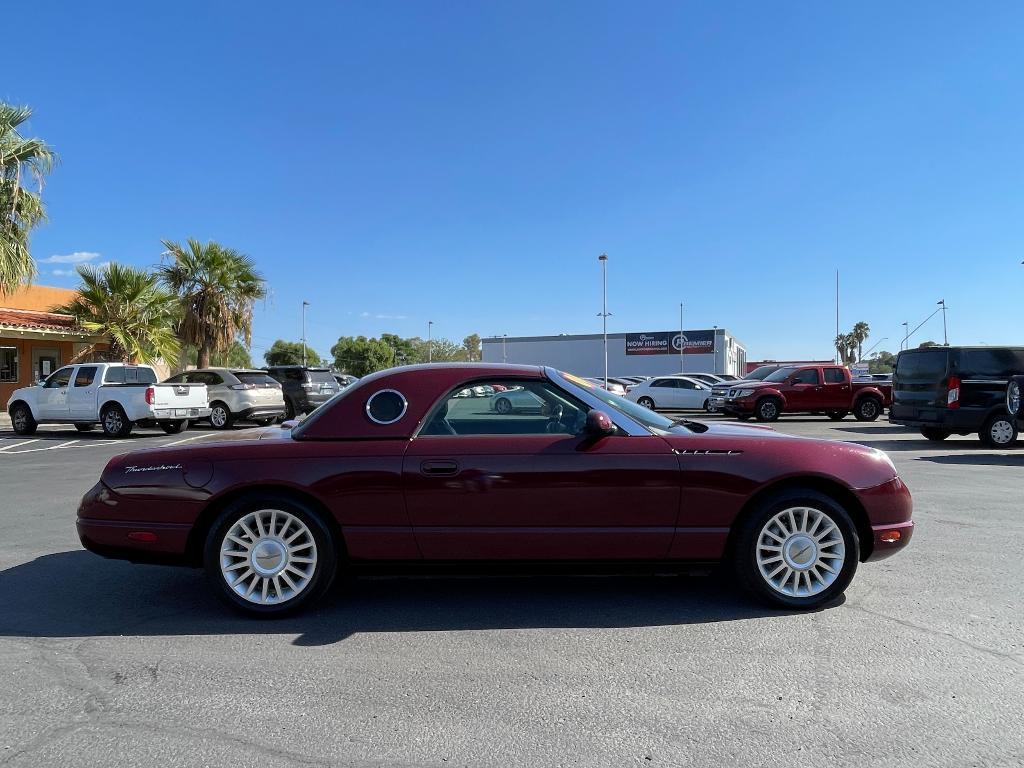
(599, 424)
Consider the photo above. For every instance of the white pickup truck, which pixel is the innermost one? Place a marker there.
(117, 396)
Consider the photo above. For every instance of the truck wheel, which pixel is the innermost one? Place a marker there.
(768, 409)
(220, 416)
(837, 415)
(22, 421)
(867, 409)
(934, 434)
(174, 427)
(84, 427)
(999, 431)
(115, 422)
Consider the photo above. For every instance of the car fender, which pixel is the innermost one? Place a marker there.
(872, 391)
(770, 392)
(15, 399)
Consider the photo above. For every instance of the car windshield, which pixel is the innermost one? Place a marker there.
(780, 375)
(653, 421)
(760, 372)
(321, 377)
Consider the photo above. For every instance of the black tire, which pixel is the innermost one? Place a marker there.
(289, 409)
(114, 421)
(934, 434)
(768, 409)
(868, 408)
(745, 548)
(324, 569)
(85, 427)
(174, 427)
(999, 431)
(707, 406)
(503, 405)
(837, 415)
(646, 402)
(22, 420)
(220, 416)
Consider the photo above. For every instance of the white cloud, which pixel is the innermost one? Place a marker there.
(63, 272)
(78, 257)
(376, 316)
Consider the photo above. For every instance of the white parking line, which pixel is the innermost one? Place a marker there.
(187, 439)
(15, 445)
(68, 444)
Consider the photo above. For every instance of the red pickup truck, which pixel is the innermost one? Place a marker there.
(824, 389)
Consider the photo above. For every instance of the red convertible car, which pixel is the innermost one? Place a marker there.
(397, 469)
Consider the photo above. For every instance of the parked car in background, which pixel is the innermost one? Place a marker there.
(304, 389)
(671, 393)
(515, 400)
(237, 394)
(727, 377)
(945, 391)
(395, 471)
(708, 378)
(115, 395)
(614, 387)
(345, 379)
(1014, 404)
(825, 389)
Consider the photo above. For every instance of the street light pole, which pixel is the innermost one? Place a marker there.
(504, 352)
(304, 305)
(603, 258)
(945, 335)
(430, 341)
(906, 335)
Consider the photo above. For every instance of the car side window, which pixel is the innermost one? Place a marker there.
(213, 379)
(684, 384)
(85, 376)
(834, 376)
(179, 379)
(497, 407)
(665, 383)
(59, 379)
(806, 376)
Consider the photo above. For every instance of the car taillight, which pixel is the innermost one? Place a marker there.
(953, 395)
(308, 386)
(243, 386)
(150, 395)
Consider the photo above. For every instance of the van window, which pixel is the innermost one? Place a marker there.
(921, 364)
(993, 363)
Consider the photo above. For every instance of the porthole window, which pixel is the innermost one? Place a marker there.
(386, 406)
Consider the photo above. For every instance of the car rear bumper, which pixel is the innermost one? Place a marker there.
(261, 412)
(955, 420)
(162, 414)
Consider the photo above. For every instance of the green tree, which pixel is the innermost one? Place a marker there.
(882, 362)
(217, 288)
(284, 352)
(24, 164)
(471, 345)
(360, 356)
(404, 350)
(924, 344)
(131, 307)
(439, 350)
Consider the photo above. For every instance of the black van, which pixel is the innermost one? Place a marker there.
(956, 390)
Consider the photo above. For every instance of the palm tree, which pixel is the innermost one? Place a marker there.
(860, 334)
(23, 165)
(130, 306)
(216, 289)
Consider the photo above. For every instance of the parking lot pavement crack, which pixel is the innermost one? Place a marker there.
(1015, 660)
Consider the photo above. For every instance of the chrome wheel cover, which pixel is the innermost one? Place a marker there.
(769, 410)
(219, 416)
(112, 420)
(869, 408)
(800, 552)
(20, 418)
(268, 557)
(1001, 431)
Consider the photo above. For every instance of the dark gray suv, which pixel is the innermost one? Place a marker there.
(305, 389)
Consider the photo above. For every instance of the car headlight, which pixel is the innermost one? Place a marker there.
(744, 392)
(1013, 398)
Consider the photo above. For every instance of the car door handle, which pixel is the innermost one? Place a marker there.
(436, 468)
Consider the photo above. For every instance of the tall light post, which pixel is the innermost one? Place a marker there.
(504, 352)
(681, 345)
(906, 335)
(430, 341)
(304, 305)
(945, 336)
(872, 349)
(604, 314)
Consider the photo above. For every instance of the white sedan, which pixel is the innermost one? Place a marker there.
(516, 399)
(672, 393)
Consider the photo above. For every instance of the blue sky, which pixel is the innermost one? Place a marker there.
(399, 162)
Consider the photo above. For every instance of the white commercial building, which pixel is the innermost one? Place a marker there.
(652, 353)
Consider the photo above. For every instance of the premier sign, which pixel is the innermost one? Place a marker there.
(669, 343)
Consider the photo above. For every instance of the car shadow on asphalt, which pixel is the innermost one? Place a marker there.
(987, 459)
(78, 594)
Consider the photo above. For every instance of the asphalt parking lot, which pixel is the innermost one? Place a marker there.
(109, 664)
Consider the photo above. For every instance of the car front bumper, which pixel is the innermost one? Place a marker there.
(889, 509)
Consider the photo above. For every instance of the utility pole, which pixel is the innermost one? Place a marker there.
(836, 345)
(681, 342)
(504, 352)
(304, 305)
(603, 258)
(906, 335)
(945, 336)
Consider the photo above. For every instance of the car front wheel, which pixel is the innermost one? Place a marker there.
(1000, 431)
(503, 405)
(22, 420)
(768, 409)
(868, 409)
(797, 550)
(269, 555)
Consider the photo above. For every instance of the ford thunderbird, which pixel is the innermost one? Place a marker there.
(399, 470)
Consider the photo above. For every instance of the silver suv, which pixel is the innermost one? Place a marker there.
(237, 395)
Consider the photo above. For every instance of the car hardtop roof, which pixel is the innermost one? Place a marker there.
(481, 369)
(295, 365)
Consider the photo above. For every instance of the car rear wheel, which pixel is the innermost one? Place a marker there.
(867, 409)
(646, 402)
(934, 434)
(22, 420)
(115, 422)
(768, 409)
(174, 427)
(999, 431)
(220, 416)
(269, 555)
(837, 415)
(503, 405)
(289, 409)
(798, 549)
